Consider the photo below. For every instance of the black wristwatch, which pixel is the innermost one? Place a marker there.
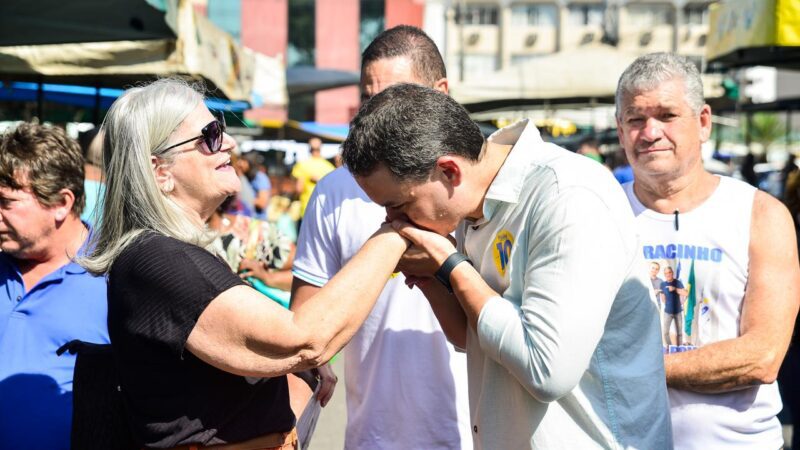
(443, 274)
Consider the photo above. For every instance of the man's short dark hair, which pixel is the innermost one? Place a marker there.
(407, 128)
(46, 159)
(413, 43)
(589, 141)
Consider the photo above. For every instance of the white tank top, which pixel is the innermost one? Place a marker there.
(707, 250)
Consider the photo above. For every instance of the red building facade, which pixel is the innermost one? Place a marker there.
(265, 28)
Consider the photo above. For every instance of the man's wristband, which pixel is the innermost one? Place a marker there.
(443, 274)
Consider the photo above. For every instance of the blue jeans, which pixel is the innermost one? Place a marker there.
(667, 322)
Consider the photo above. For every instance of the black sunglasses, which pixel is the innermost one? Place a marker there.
(212, 135)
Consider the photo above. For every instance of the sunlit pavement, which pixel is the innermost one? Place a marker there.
(329, 434)
(787, 436)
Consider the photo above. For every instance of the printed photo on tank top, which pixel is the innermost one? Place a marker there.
(685, 278)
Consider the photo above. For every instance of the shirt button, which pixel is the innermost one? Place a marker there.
(19, 298)
(475, 428)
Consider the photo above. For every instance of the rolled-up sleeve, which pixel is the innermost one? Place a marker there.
(576, 260)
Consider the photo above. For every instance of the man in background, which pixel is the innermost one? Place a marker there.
(309, 171)
(590, 148)
(256, 194)
(91, 142)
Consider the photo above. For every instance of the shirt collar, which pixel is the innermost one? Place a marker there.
(508, 183)
(72, 267)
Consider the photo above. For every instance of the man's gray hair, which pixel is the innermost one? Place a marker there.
(647, 72)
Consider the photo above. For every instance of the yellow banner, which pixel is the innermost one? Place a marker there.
(788, 23)
(737, 24)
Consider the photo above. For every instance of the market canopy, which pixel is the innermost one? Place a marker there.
(117, 43)
(309, 79)
(61, 22)
(751, 33)
(89, 97)
(587, 76)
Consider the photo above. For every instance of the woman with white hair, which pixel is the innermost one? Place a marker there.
(201, 356)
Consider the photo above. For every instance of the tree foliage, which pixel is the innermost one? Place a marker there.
(766, 128)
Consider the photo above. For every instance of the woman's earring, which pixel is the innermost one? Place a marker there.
(167, 186)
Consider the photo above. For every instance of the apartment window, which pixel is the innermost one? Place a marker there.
(695, 14)
(586, 14)
(650, 15)
(373, 21)
(534, 15)
(476, 15)
(301, 49)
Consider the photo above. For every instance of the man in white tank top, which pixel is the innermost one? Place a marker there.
(731, 247)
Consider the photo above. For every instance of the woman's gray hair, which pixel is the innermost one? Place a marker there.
(647, 72)
(137, 127)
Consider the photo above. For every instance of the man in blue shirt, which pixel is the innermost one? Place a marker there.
(259, 184)
(46, 299)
